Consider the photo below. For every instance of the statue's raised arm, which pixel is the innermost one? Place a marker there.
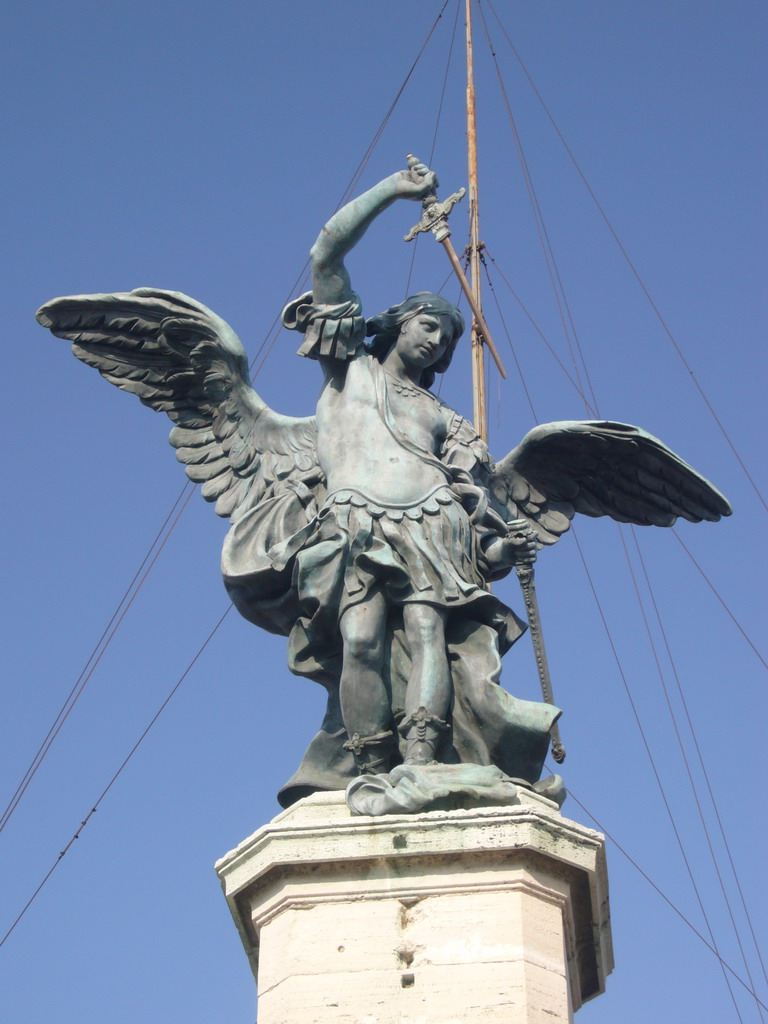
(330, 279)
(330, 315)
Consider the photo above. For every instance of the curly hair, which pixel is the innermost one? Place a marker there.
(386, 328)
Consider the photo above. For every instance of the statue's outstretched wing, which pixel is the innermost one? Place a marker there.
(182, 359)
(599, 468)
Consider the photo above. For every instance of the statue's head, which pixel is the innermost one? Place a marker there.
(386, 328)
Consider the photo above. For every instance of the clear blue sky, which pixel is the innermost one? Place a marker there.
(200, 147)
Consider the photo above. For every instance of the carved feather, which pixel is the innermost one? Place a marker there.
(600, 468)
(178, 357)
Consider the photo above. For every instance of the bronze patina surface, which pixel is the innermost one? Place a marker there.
(368, 532)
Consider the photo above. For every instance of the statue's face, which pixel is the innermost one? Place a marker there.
(423, 340)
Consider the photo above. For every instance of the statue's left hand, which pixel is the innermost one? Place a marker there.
(519, 546)
(417, 182)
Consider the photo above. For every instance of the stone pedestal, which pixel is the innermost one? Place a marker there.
(449, 917)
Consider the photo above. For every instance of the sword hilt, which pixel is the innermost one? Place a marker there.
(558, 750)
(434, 218)
(434, 215)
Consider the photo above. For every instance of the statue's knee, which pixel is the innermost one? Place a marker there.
(362, 636)
(363, 647)
(362, 628)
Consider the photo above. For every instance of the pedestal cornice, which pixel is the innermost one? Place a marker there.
(317, 855)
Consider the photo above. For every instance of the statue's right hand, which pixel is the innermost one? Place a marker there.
(417, 182)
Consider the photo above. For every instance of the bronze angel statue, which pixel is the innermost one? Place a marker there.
(368, 533)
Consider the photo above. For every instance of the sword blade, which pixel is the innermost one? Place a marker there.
(447, 244)
(525, 575)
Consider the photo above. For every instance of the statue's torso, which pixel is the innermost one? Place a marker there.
(357, 450)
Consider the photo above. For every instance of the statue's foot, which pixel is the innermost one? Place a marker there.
(422, 732)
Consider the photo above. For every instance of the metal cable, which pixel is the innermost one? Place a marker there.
(704, 772)
(81, 681)
(538, 330)
(684, 756)
(115, 777)
(546, 244)
(374, 141)
(717, 594)
(726, 966)
(654, 769)
(414, 248)
(631, 265)
(550, 260)
(655, 656)
(509, 340)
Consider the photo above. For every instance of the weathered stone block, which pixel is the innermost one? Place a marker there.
(495, 914)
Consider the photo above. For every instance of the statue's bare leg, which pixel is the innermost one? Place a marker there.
(428, 695)
(429, 681)
(365, 705)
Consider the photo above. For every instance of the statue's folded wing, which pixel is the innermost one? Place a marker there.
(182, 359)
(599, 468)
